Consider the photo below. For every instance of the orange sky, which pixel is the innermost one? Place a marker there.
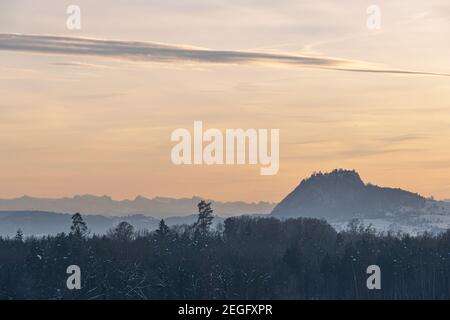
(76, 124)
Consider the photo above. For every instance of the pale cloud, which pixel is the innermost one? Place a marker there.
(79, 64)
(169, 53)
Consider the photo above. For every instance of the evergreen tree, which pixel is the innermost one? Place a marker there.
(205, 217)
(78, 228)
(19, 235)
(163, 229)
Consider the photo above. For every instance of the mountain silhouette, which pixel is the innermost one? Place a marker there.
(343, 194)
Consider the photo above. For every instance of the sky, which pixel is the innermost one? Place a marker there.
(91, 111)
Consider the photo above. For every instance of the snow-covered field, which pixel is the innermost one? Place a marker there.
(434, 218)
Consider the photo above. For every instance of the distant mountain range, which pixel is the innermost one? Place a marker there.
(156, 207)
(338, 196)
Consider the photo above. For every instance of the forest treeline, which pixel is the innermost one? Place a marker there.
(245, 258)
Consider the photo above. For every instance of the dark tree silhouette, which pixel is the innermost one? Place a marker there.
(163, 229)
(79, 228)
(205, 217)
(19, 235)
(122, 232)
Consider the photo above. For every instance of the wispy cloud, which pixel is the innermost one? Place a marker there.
(401, 138)
(79, 64)
(169, 53)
